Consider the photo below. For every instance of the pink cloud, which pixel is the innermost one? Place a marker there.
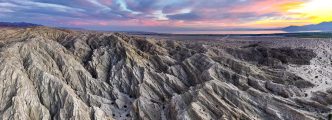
(88, 23)
(107, 2)
(263, 6)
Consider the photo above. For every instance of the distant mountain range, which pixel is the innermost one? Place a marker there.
(325, 26)
(18, 24)
(322, 27)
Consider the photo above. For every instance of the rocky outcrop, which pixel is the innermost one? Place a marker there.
(59, 74)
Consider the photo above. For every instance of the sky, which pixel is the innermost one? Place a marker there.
(167, 15)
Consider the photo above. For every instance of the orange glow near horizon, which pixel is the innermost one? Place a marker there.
(316, 10)
(299, 13)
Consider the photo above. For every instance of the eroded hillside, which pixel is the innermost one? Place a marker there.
(48, 73)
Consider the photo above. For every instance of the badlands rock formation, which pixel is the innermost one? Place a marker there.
(57, 74)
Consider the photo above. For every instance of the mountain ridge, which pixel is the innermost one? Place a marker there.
(324, 27)
(18, 24)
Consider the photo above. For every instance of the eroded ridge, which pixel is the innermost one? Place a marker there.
(48, 73)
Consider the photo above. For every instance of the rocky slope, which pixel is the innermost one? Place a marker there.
(49, 73)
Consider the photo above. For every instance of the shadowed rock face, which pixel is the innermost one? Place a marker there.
(56, 74)
(273, 56)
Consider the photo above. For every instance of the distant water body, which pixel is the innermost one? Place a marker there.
(232, 32)
(244, 32)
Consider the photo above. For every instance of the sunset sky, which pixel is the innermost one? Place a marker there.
(167, 15)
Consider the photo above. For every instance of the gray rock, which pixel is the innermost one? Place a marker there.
(47, 73)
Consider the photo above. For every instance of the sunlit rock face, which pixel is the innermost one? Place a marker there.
(59, 74)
